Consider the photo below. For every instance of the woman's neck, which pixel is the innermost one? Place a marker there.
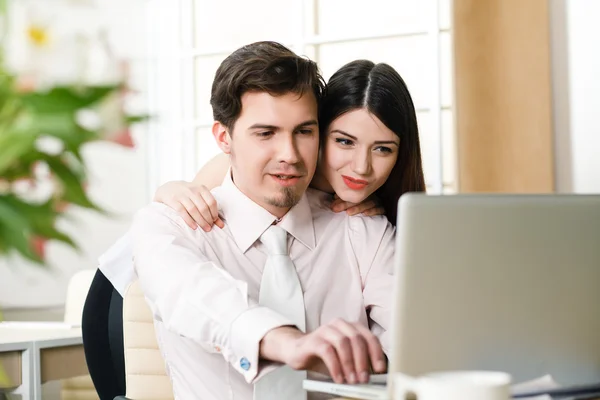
(320, 183)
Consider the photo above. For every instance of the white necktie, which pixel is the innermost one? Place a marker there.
(280, 290)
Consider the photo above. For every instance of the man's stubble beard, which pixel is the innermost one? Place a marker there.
(289, 197)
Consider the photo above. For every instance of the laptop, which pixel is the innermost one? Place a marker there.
(493, 282)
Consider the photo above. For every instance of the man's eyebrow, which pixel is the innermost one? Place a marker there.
(265, 126)
(277, 128)
(306, 123)
(375, 142)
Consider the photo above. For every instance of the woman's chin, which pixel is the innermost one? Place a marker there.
(353, 196)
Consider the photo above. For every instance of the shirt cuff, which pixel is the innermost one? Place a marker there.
(247, 330)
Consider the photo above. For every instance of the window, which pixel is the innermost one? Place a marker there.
(192, 39)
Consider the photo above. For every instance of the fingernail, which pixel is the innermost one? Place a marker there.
(381, 365)
(364, 377)
(352, 378)
(339, 379)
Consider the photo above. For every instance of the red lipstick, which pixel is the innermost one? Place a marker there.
(353, 183)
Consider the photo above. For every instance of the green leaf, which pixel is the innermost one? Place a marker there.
(15, 231)
(42, 218)
(73, 191)
(66, 99)
(24, 119)
(134, 119)
(13, 147)
(21, 222)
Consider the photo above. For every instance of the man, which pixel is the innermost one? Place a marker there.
(286, 281)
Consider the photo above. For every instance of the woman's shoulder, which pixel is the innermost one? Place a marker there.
(320, 204)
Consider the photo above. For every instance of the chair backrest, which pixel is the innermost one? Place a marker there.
(145, 374)
(81, 387)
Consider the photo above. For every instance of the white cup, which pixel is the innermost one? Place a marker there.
(454, 385)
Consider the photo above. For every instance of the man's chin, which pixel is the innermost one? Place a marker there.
(287, 199)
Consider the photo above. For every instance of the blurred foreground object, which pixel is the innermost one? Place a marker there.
(46, 118)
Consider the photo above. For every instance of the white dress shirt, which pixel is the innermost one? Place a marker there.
(203, 286)
(116, 264)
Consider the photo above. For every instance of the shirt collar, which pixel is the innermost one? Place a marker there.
(247, 220)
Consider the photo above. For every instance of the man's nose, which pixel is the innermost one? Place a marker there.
(287, 149)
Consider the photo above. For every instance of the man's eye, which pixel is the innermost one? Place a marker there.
(306, 131)
(265, 133)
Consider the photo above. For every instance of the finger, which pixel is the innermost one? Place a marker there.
(219, 222)
(362, 207)
(334, 204)
(327, 353)
(197, 213)
(183, 213)
(360, 350)
(343, 348)
(375, 199)
(375, 350)
(341, 206)
(210, 201)
(197, 210)
(375, 211)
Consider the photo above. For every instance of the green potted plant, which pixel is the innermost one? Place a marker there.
(43, 130)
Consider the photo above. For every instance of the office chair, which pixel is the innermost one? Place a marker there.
(102, 331)
(81, 387)
(145, 375)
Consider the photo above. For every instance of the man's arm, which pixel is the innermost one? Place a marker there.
(198, 299)
(195, 297)
(341, 349)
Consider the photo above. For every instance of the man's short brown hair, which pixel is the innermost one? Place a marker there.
(262, 67)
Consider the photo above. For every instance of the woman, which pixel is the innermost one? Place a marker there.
(370, 156)
(370, 150)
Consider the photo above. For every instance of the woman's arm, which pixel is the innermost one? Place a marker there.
(212, 173)
(193, 200)
(196, 205)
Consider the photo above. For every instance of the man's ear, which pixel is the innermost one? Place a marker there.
(222, 137)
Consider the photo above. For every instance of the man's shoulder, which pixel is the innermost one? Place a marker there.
(156, 213)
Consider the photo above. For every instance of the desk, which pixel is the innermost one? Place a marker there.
(33, 356)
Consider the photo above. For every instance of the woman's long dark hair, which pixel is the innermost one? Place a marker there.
(380, 90)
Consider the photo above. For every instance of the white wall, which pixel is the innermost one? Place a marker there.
(575, 32)
(117, 175)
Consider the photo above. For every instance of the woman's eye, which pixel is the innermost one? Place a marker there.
(344, 142)
(383, 149)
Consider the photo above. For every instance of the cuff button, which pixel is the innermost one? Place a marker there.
(245, 364)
